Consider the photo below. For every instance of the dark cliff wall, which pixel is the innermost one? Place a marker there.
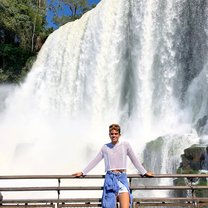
(193, 162)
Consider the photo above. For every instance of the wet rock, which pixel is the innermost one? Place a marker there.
(201, 123)
(192, 163)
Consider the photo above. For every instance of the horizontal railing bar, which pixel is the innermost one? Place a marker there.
(50, 177)
(171, 176)
(99, 200)
(101, 176)
(167, 187)
(172, 199)
(54, 188)
(90, 201)
(78, 188)
(52, 200)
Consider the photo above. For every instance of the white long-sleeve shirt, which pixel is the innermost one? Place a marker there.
(115, 158)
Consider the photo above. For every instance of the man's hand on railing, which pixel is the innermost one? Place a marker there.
(79, 174)
(148, 174)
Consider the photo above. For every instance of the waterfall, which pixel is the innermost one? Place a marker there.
(140, 63)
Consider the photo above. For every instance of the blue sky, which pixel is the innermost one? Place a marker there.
(50, 15)
(93, 1)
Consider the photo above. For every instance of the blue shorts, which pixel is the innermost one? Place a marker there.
(122, 188)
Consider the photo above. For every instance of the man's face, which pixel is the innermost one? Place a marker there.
(114, 136)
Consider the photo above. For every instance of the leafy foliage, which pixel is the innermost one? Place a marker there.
(21, 25)
(68, 10)
(13, 59)
(22, 18)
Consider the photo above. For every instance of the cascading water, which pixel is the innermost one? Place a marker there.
(140, 63)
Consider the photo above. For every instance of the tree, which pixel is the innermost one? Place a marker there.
(24, 19)
(68, 10)
(22, 23)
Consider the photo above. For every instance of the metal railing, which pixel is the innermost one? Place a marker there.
(62, 191)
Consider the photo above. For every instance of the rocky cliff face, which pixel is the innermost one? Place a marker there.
(194, 161)
(201, 124)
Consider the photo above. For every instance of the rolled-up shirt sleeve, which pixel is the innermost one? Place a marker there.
(134, 160)
(93, 163)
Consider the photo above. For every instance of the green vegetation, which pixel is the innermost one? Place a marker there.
(70, 10)
(23, 30)
(22, 34)
(156, 144)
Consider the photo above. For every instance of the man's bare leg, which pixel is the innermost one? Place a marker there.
(124, 200)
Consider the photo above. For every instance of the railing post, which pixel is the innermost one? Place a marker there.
(193, 194)
(190, 184)
(58, 191)
(130, 182)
